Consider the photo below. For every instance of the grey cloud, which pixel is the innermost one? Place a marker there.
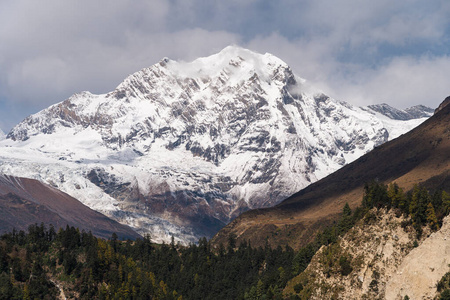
(406, 81)
(401, 81)
(61, 48)
(52, 49)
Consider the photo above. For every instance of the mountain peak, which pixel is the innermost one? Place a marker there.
(235, 50)
(234, 61)
(164, 61)
(419, 156)
(180, 148)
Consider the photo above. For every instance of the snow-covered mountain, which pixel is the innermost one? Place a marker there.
(414, 112)
(181, 148)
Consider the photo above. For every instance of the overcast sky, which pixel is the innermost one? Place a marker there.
(363, 52)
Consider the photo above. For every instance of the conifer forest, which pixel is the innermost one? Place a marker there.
(45, 262)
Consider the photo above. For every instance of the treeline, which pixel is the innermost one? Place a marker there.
(41, 262)
(86, 267)
(32, 264)
(420, 207)
(423, 208)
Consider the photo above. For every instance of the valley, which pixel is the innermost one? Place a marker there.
(181, 149)
(368, 187)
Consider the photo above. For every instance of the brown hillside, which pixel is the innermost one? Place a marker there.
(420, 156)
(26, 201)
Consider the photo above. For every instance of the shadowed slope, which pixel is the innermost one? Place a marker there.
(26, 201)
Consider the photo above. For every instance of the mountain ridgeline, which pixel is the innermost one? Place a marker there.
(180, 149)
(421, 156)
(24, 202)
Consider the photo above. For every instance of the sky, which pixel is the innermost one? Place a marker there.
(360, 51)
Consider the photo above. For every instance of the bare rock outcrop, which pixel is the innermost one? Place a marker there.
(386, 259)
(423, 267)
(443, 104)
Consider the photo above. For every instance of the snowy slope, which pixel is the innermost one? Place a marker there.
(414, 112)
(181, 148)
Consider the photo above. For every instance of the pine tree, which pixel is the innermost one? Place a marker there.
(418, 206)
(397, 196)
(367, 198)
(346, 221)
(402, 200)
(6, 286)
(346, 211)
(445, 202)
(431, 217)
(392, 193)
(259, 290)
(26, 292)
(231, 243)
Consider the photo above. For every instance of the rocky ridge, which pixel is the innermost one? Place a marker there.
(443, 104)
(420, 156)
(386, 263)
(179, 149)
(25, 202)
(423, 267)
(414, 112)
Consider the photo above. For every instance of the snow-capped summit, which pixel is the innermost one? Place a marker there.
(180, 148)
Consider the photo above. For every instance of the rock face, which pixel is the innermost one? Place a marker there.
(420, 156)
(179, 149)
(422, 268)
(443, 104)
(414, 112)
(385, 263)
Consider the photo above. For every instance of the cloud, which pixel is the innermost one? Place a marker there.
(53, 51)
(405, 81)
(402, 81)
(360, 51)
(369, 52)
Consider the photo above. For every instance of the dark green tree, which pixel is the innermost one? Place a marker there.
(431, 217)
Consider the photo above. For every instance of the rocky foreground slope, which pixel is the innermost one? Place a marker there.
(387, 262)
(179, 149)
